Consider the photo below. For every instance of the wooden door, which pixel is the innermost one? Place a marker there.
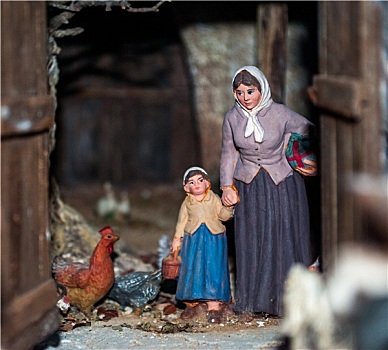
(28, 293)
(351, 123)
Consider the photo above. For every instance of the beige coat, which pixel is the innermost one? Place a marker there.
(209, 211)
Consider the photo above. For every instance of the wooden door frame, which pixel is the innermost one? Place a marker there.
(28, 299)
(347, 92)
(358, 106)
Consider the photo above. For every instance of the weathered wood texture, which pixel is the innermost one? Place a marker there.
(272, 36)
(347, 91)
(28, 294)
(124, 133)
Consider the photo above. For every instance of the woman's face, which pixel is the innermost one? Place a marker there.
(196, 185)
(248, 96)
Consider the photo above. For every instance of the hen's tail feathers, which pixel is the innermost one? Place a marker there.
(61, 289)
(156, 275)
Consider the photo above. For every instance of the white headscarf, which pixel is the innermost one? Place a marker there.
(253, 125)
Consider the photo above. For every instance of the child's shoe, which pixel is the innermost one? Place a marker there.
(188, 313)
(200, 309)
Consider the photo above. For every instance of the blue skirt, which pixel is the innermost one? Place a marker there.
(204, 272)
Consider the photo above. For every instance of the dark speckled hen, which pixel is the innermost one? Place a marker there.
(136, 289)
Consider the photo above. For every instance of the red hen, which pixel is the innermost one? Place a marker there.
(86, 285)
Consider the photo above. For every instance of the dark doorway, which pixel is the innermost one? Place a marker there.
(124, 100)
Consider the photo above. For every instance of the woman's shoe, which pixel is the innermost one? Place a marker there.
(227, 309)
(244, 317)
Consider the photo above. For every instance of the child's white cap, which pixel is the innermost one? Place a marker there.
(191, 169)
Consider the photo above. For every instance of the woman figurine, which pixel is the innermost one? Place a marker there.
(271, 219)
(203, 282)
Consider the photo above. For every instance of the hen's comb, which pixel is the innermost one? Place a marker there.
(105, 230)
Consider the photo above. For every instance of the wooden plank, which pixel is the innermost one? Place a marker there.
(359, 229)
(371, 68)
(343, 38)
(34, 333)
(272, 24)
(24, 207)
(347, 91)
(340, 95)
(371, 195)
(329, 180)
(23, 310)
(28, 292)
(153, 94)
(345, 166)
(23, 48)
(9, 218)
(26, 114)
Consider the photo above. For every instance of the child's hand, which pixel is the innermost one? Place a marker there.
(176, 244)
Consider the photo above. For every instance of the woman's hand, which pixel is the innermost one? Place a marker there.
(311, 170)
(229, 197)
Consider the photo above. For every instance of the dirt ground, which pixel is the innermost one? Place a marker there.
(153, 213)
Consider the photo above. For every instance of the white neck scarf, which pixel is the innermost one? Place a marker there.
(253, 125)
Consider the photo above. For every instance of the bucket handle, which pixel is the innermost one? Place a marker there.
(175, 254)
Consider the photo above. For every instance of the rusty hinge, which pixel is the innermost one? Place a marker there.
(340, 95)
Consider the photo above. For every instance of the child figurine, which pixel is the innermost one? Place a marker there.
(203, 282)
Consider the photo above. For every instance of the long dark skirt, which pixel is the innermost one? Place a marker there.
(272, 232)
(204, 272)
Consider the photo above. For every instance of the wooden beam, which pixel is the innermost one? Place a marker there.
(340, 95)
(28, 308)
(272, 46)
